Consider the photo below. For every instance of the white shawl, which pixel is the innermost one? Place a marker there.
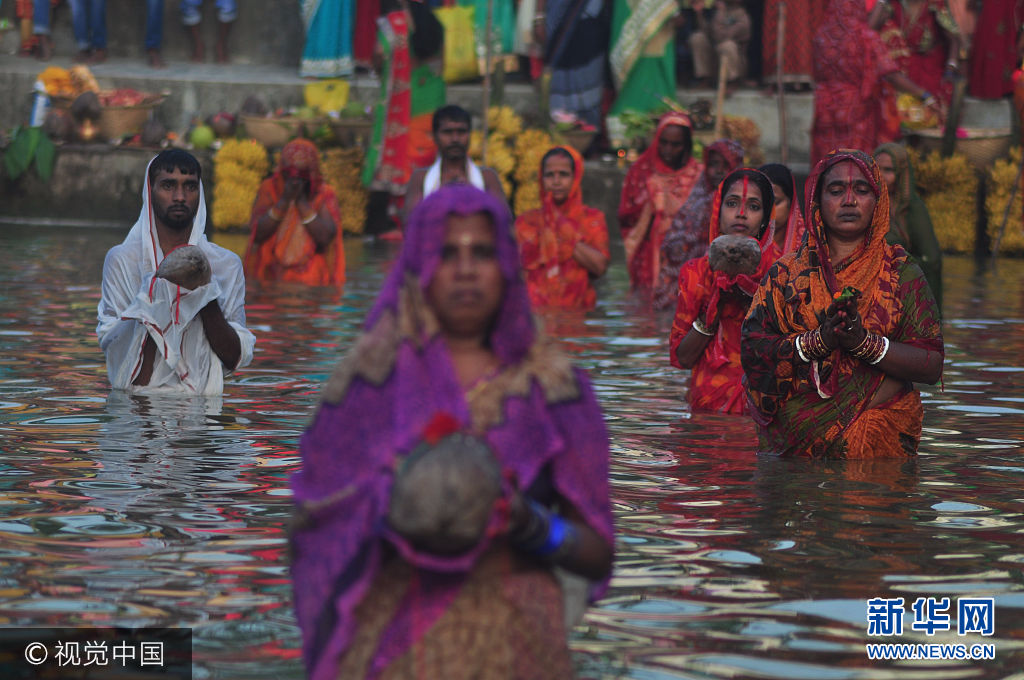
(432, 180)
(135, 304)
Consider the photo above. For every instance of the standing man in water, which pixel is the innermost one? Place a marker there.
(451, 126)
(181, 329)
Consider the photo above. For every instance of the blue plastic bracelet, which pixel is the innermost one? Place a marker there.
(557, 530)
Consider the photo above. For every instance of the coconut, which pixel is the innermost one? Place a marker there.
(443, 496)
(58, 125)
(186, 266)
(732, 254)
(153, 133)
(86, 106)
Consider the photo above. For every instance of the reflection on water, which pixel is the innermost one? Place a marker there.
(146, 512)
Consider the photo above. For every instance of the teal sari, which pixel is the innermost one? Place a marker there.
(329, 29)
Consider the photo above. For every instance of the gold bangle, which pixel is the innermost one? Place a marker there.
(307, 220)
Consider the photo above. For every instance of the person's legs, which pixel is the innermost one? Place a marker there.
(154, 31)
(227, 12)
(41, 27)
(191, 17)
(80, 25)
(703, 57)
(730, 52)
(98, 25)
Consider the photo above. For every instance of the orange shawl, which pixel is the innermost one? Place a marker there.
(291, 254)
(547, 238)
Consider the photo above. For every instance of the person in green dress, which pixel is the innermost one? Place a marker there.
(910, 225)
(642, 54)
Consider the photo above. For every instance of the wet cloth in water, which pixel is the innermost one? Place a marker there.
(821, 408)
(537, 413)
(135, 305)
(547, 240)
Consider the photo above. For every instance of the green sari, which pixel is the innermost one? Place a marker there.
(643, 58)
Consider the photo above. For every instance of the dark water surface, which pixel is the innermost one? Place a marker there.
(139, 512)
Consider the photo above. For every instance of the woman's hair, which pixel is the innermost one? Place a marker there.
(762, 182)
(558, 151)
(781, 176)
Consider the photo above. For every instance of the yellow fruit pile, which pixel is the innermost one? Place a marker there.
(1001, 177)
(748, 134)
(530, 149)
(514, 153)
(949, 188)
(504, 120)
(238, 168)
(343, 171)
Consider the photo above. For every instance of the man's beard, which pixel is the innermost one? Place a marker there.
(178, 220)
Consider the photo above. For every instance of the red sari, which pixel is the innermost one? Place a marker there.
(994, 53)
(291, 254)
(652, 194)
(850, 61)
(927, 45)
(716, 380)
(803, 17)
(547, 237)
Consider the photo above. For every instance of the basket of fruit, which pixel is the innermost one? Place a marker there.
(117, 113)
(352, 126)
(274, 131)
(982, 146)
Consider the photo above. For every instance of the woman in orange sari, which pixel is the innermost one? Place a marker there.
(841, 329)
(296, 224)
(563, 244)
(654, 190)
(711, 304)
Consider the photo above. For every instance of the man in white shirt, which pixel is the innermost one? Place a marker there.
(160, 336)
(451, 126)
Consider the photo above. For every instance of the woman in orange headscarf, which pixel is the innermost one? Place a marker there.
(654, 190)
(563, 244)
(711, 304)
(840, 330)
(296, 224)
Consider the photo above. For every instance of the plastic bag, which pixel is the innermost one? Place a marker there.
(459, 43)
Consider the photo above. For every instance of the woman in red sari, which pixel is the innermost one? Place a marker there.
(296, 224)
(997, 49)
(654, 190)
(563, 244)
(850, 64)
(711, 305)
(839, 332)
(803, 17)
(924, 39)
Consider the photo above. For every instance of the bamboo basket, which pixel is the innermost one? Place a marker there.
(353, 131)
(274, 133)
(578, 139)
(116, 122)
(981, 146)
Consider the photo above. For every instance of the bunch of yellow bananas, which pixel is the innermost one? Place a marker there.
(343, 169)
(239, 167)
(1001, 177)
(948, 187)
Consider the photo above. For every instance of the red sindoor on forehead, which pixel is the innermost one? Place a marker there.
(743, 200)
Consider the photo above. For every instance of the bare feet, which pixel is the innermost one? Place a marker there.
(222, 53)
(99, 55)
(82, 56)
(198, 48)
(155, 60)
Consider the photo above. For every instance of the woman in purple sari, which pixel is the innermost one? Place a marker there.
(452, 333)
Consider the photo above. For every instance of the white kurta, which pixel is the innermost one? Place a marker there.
(135, 304)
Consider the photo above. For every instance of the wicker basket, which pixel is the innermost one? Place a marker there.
(274, 133)
(981, 146)
(579, 139)
(116, 122)
(353, 131)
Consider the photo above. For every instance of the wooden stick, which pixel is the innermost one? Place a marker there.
(487, 76)
(1006, 213)
(723, 76)
(780, 90)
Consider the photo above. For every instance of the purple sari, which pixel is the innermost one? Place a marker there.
(543, 424)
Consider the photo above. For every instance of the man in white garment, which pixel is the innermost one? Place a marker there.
(451, 125)
(160, 336)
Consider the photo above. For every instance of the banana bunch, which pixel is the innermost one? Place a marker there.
(504, 120)
(343, 169)
(530, 148)
(948, 187)
(1001, 177)
(239, 167)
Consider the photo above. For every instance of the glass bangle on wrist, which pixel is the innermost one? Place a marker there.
(699, 326)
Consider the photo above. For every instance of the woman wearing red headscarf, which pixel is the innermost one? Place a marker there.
(712, 304)
(840, 330)
(654, 190)
(789, 220)
(296, 224)
(563, 244)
